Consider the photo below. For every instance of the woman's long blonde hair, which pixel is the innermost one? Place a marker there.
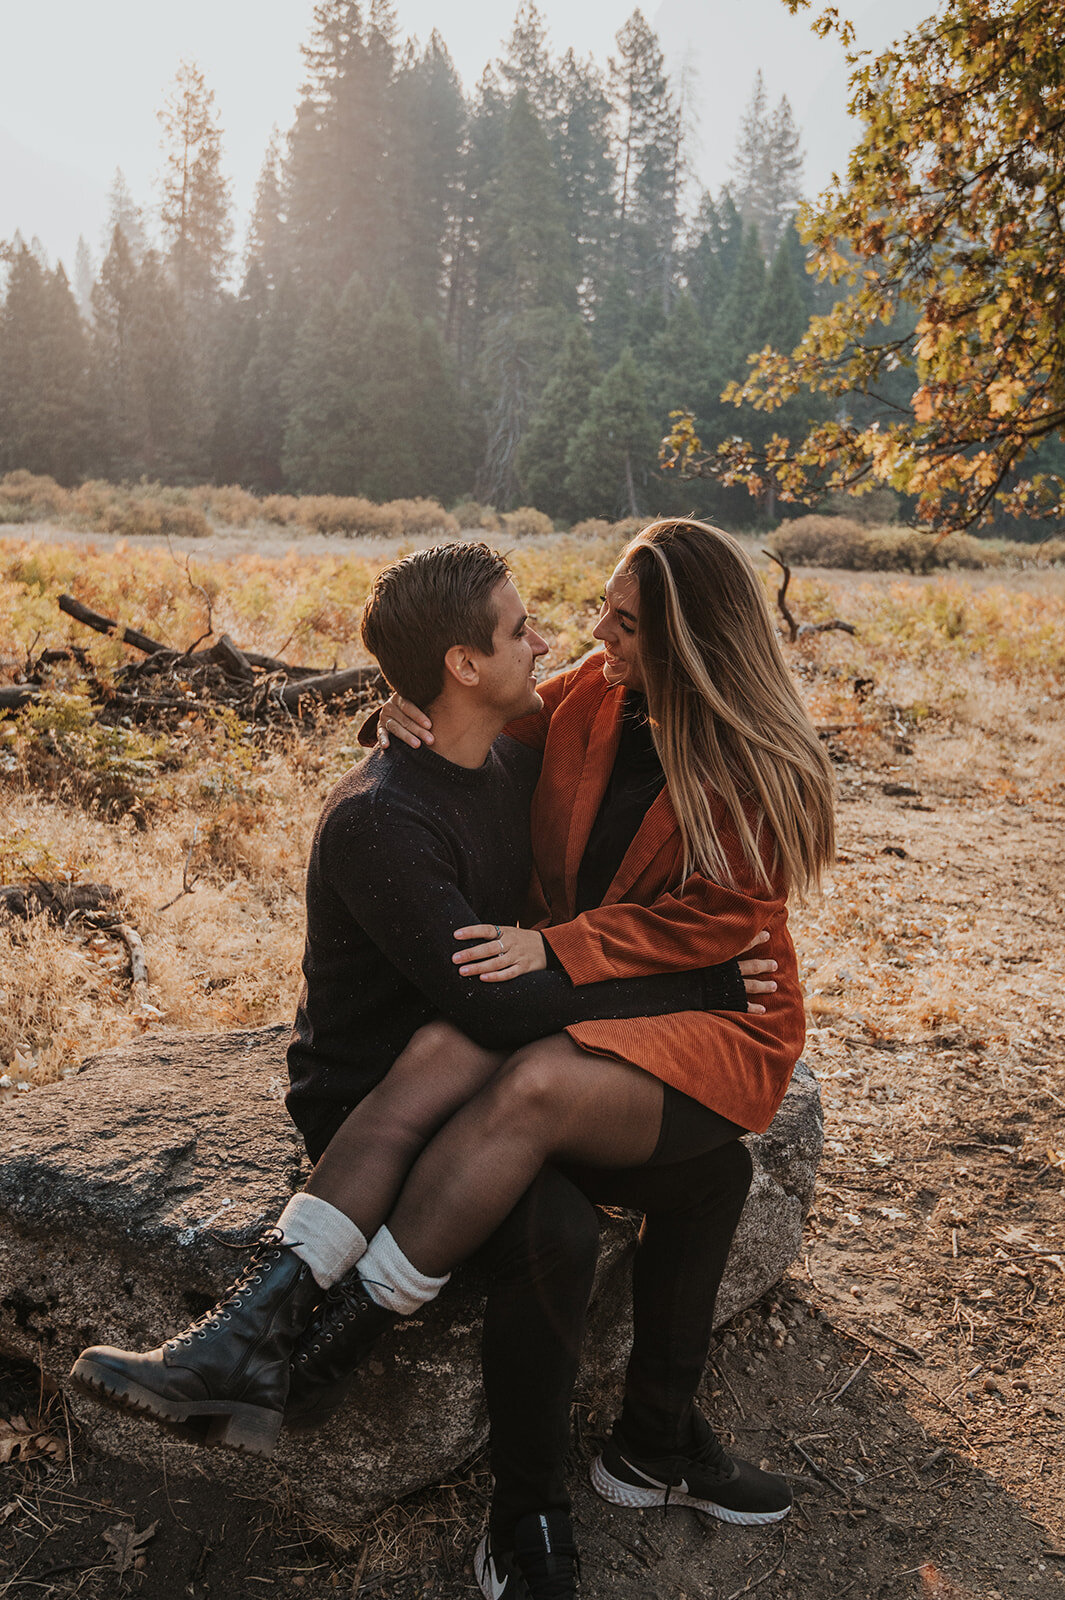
(724, 710)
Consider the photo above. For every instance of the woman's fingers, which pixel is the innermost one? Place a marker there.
(751, 969)
(759, 938)
(399, 719)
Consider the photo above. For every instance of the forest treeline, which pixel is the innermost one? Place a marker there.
(499, 294)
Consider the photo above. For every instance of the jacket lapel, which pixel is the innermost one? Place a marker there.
(656, 830)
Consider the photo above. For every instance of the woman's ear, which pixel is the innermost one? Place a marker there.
(459, 662)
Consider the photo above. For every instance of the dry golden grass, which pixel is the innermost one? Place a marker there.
(968, 663)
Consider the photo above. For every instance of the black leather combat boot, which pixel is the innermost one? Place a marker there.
(340, 1335)
(224, 1380)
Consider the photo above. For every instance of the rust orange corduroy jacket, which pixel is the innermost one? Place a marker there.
(737, 1064)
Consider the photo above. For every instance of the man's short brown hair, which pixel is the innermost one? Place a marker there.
(422, 605)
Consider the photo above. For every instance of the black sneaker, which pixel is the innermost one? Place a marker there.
(708, 1479)
(543, 1564)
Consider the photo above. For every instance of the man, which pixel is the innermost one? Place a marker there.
(411, 845)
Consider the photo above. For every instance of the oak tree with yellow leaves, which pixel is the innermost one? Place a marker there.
(948, 236)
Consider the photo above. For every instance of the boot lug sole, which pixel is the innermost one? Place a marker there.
(626, 1494)
(249, 1429)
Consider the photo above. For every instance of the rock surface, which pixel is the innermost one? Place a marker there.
(121, 1188)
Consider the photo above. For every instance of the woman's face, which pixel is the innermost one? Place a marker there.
(617, 628)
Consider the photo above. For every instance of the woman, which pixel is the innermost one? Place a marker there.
(673, 857)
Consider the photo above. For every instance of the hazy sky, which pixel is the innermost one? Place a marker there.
(82, 83)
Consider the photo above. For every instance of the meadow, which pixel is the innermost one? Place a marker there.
(929, 1304)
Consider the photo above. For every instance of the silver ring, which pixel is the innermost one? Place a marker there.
(502, 952)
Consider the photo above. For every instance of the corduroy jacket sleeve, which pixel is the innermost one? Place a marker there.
(697, 925)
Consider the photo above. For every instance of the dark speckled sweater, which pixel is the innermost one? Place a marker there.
(408, 848)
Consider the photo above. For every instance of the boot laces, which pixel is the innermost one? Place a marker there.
(266, 1251)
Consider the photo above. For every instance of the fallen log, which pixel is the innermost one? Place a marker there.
(56, 900)
(232, 660)
(19, 694)
(102, 624)
(328, 686)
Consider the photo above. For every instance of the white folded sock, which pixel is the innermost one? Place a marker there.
(324, 1237)
(392, 1281)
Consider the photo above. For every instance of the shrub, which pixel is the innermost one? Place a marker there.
(591, 528)
(30, 497)
(470, 515)
(841, 542)
(423, 516)
(229, 504)
(527, 523)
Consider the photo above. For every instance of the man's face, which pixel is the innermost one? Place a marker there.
(507, 680)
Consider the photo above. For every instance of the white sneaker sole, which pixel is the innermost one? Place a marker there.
(627, 1494)
(485, 1575)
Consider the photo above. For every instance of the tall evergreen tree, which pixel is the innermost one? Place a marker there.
(650, 140)
(44, 373)
(527, 247)
(734, 332)
(267, 245)
(528, 281)
(195, 205)
(525, 66)
(581, 138)
(563, 407)
(84, 277)
(324, 450)
(264, 392)
(610, 458)
(124, 213)
(767, 167)
(338, 197)
(430, 118)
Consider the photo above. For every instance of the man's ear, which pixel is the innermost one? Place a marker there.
(462, 666)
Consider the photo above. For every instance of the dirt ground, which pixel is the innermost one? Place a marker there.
(908, 1375)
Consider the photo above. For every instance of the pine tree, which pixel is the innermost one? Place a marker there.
(195, 205)
(563, 406)
(609, 459)
(581, 138)
(263, 391)
(430, 118)
(767, 167)
(266, 246)
(44, 373)
(525, 66)
(84, 277)
(678, 366)
(123, 213)
(528, 251)
(650, 137)
(734, 333)
(714, 246)
(118, 403)
(783, 178)
(392, 434)
(781, 317)
(325, 450)
(338, 196)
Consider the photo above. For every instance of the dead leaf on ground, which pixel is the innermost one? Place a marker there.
(125, 1544)
(19, 1439)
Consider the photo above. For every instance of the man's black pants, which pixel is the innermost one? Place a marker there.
(540, 1265)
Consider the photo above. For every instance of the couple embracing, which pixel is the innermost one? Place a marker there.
(530, 988)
